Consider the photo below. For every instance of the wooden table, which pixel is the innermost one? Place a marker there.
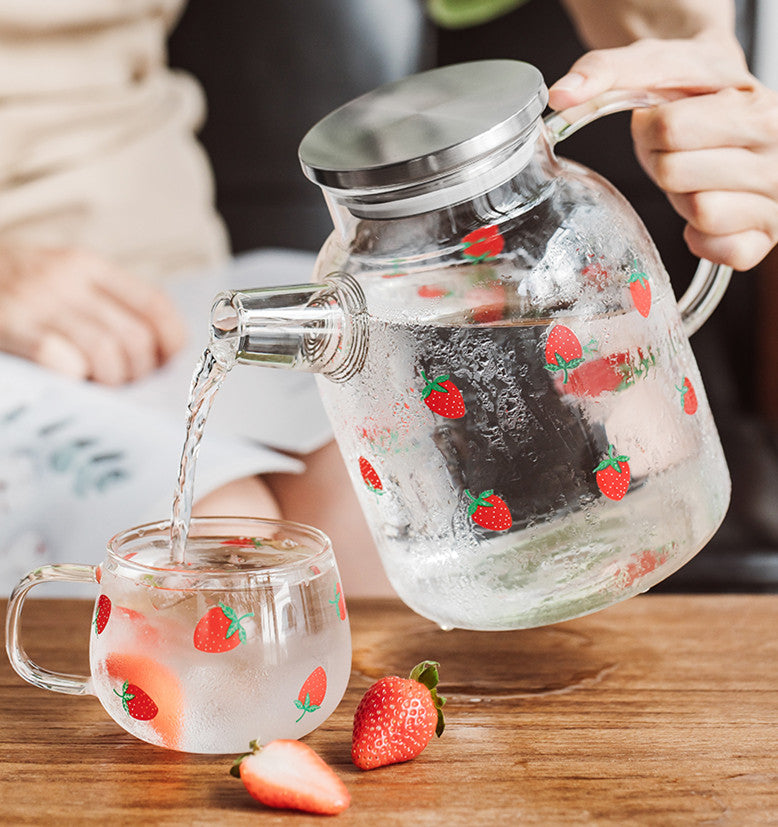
(662, 710)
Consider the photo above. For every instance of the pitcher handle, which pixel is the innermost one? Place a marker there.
(20, 660)
(710, 280)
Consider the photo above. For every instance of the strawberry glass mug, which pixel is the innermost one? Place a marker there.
(497, 344)
(248, 640)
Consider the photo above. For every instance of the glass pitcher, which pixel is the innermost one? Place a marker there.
(498, 347)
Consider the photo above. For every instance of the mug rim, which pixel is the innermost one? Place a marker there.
(158, 528)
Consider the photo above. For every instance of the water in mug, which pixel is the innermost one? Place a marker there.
(420, 469)
(163, 649)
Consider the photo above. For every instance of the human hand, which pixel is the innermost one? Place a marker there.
(78, 314)
(713, 150)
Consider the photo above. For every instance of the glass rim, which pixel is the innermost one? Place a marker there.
(160, 528)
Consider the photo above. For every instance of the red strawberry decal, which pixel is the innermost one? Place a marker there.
(220, 630)
(102, 613)
(640, 289)
(489, 511)
(595, 274)
(640, 565)
(486, 302)
(137, 704)
(312, 692)
(563, 351)
(688, 396)
(612, 475)
(339, 601)
(289, 775)
(483, 244)
(243, 542)
(397, 717)
(443, 397)
(370, 476)
(431, 291)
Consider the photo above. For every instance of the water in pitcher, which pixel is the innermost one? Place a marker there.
(164, 668)
(477, 520)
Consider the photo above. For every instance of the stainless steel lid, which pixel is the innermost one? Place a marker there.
(423, 126)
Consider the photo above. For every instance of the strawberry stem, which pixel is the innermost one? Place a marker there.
(564, 365)
(426, 673)
(478, 502)
(235, 622)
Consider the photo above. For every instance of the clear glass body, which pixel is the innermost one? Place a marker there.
(248, 640)
(528, 432)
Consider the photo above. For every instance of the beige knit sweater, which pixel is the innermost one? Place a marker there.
(97, 145)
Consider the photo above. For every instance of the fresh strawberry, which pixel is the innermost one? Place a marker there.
(370, 476)
(688, 396)
(220, 630)
(312, 692)
(614, 372)
(612, 475)
(137, 704)
(640, 289)
(158, 683)
(443, 397)
(563, 351)
(290, 775)
(102, 613)
(489, 511)
(339, 602)
(483, 244)
(397, 717)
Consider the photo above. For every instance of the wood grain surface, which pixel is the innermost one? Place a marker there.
(662, 710)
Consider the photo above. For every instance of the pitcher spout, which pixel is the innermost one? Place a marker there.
(319, 327)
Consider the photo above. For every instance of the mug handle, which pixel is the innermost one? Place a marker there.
(710, 280)
(20, 660)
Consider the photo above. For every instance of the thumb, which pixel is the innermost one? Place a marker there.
(691, 66)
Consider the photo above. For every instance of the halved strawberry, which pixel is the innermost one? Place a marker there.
(156, 682)
(289, 775)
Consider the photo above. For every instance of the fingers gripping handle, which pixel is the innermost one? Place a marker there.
(20, 660)
(711, 280)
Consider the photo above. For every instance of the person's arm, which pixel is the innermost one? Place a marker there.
(714, 150)
(78, 314)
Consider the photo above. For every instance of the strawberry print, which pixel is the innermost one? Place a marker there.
(688, 396)
(640, 289)
(443, 397)
(640, 564)
(339, 602)
(613, 475)
(136, 703)
(370, 476)
(486, 302)
(312, 692)
(431, 291)
(102, 613)
(563, 351)
(483, 244)
(595, 274)
(489, 511)
(243, 542)
(220, 630)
